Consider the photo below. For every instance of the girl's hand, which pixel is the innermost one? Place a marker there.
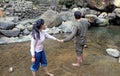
(33, 59)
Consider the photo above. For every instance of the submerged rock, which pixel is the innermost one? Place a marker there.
(113, 52)
(99, 21)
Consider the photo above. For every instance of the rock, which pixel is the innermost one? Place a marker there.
(51, 18)
(117, 3)
(103, 15)
(65, 16)
(64, 8)
(84, 11)
(10, 69)
(26, 32)
(111, 16)
(113, 52)
(54, 30)
(10, 33)
(66, 26)
(117, 12)
(97, 20)
(4, 25)
(94, 12)
(20, 27)
(6, 40)
(30, 27)
(75, 9)
(119, 60)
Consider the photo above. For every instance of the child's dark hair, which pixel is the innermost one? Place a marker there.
(36, 27)
(77, 15)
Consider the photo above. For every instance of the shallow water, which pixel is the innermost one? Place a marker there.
(60, 56)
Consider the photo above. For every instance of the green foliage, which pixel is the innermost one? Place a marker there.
(67, 3)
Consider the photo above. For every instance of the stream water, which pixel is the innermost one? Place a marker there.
(60, 56)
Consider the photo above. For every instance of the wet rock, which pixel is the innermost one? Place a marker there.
(97, 20)
(26, 32)
(113, 52)
(4, 25)
(51, 18)
(10, 33)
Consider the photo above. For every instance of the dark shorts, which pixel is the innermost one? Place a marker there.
(40, 60)
(79, 49)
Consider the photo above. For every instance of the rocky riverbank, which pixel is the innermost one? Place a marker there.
(16, 27)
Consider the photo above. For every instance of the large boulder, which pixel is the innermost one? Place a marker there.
(51, 18)
(66, 16)
(97, 20)
(117, 12)
(4, 25)
(117, 3)
(113, 52)
(66, 26)
(10, 33)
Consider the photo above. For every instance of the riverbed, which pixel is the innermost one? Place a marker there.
(60, 56)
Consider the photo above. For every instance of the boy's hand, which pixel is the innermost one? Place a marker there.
(33, 59)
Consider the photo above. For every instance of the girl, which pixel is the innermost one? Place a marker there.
(37, 51)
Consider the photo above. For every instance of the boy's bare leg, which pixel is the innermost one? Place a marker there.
(79, 61)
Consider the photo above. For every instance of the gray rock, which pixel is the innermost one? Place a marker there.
(26, 32)
(6, 40)
(10, 33)
(20, 27)
(4, 25)
(66, 26)
(113, 52)
(64, 8)
(30, 27)
(111, 16)
(117, 12)
(51, 18)
(65, 16)
(98, 20)
(54, 30)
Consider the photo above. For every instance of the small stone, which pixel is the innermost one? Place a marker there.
(113, 52)
(10, 69)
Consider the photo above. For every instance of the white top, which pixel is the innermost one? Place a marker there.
(37, 45)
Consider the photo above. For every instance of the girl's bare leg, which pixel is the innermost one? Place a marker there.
(34, 73)
(47, 72)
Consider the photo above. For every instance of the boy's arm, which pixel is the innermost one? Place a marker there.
(72, 35)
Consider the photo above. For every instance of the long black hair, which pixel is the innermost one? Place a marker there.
(36, 27)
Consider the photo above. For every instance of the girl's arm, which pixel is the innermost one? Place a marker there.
(33, 44)
(51, 37)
